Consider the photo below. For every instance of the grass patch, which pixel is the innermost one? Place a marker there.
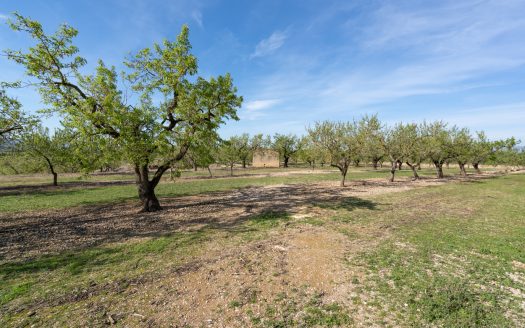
(300, 309)
(448, 260)
(57, 198)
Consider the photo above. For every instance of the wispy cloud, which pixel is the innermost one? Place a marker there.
(254, 109)
(268, 46)
(4, 16)
(197, 17)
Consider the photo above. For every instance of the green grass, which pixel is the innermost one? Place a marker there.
(449, 259)
(63, 198)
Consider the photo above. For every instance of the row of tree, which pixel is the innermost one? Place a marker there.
(345, 144)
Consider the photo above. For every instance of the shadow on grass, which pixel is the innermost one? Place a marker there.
(63, 187)
(79, 261)
(79, 236)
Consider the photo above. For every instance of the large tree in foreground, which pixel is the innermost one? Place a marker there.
(146, 131)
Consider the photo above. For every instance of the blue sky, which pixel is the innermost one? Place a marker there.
(296, 62)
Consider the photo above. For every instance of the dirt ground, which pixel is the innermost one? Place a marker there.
(30, 234)
(306, 260)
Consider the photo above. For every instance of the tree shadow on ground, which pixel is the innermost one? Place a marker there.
(50, 190)
(32, 235)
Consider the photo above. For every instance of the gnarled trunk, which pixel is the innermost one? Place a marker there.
(286, 159)
(146, 189)
(343, 168)
(462, 170)
(393, 171)
(399, 165)
(439, 170)
(147, 196)
(52, 170)
(476, 167)
(414, 171)
(343, 176)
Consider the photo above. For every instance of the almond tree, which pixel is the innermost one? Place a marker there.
(371, 138)
(461, 147)
(483, 149)
(146, 131)
(55, 150)
(228, 153)
(338, 140)
(437, 144)
(287, 145)
(413, 150)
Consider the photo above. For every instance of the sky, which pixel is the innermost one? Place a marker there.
(298, 62)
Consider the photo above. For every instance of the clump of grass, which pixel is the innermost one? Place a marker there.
(452, 302)
(301, 309)
(267, 220)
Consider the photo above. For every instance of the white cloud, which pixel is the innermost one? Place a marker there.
(3, 17)
(254, 108)
(256, 105)
(270, 45)
(197, 17)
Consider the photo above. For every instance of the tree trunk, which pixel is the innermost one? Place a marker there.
(286, 159)
(343, 168)
(399, 165)
(52, 170)
(147, 196)
(462, 170)
(244, 163)
(231, 170)
(393, 171)
(414, 171)
(209, 171)
(146, 189)
(356, 163)
(374, 164)
(476, 167)
(439, 170)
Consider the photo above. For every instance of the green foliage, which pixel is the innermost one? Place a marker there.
(287, 145)
(371, 139)
(338, 142)
(54, 151)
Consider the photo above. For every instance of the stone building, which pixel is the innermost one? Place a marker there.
(265, 158)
